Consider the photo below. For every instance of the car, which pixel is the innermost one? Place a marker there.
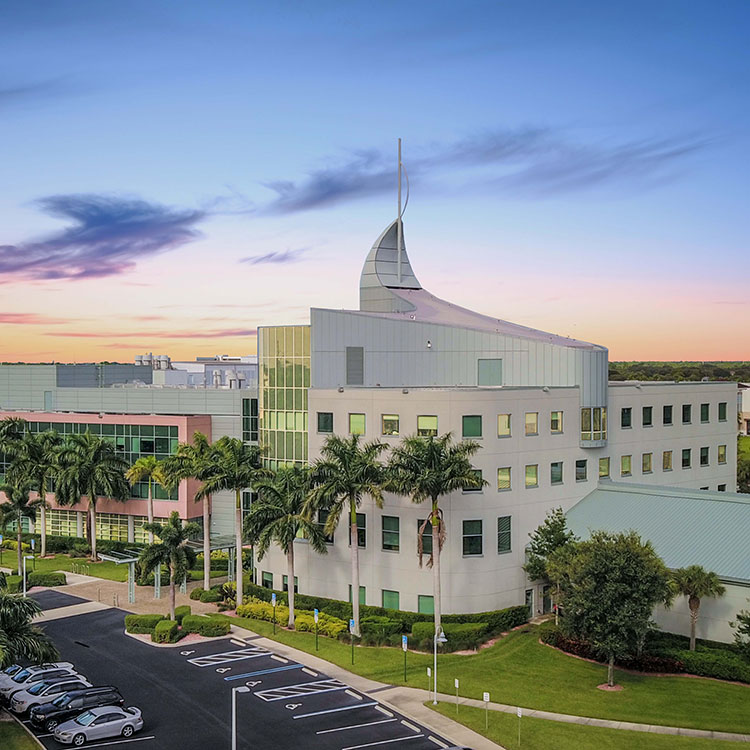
(73, 703)
(43, 691)
(100, 723)
(24, 677)
(7, 674)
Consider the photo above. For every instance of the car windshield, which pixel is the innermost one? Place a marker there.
(22, 675)
(85, 718)
(36, 689)
(61, 701)
(12, 669)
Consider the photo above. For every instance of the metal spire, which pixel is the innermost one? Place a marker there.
(399, 227)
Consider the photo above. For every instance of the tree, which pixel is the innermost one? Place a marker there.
(17, 507)
(152, 470)
(20, 641)
(237, 468)
(695, 583)
(347, 472)
(742, 636)
(11, 430)
(609, 586)
(427, 469)
(279, 516)
(549, 536)
(171, 551)
(743, 475)
(89, 467)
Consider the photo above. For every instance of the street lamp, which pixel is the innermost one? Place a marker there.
(439, 638)
(241, 689)
(25, 558)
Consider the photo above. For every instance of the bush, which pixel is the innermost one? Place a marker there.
(47, 579)
(332, 627)
(498, 621)
(13, 544)
(461, 636)
(210, 627)
(142, 623)
(260, 610)
(166, 631)
(211, 596)
(195, 594)
(378, 629)
(181, 612)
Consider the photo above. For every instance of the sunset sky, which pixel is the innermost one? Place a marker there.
(175, 174)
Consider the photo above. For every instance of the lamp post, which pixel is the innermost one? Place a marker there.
(241, 689)
(439, 638)
(25, 558)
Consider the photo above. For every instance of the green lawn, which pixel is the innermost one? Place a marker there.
(539, 734)
(14, 737)
(518, 670)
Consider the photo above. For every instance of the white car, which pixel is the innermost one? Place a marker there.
(22, 679)
(98, 723)
(44, 691)
(7, 674)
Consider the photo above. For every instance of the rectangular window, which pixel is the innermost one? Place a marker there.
(325, 422)
(594, 423)
(626, 417)
(503, 425)
(556, 422)
(362, 594)
(390, 599)
(687, 413)
(391, 533)
(722, 411)
(604, 467)
(478, 475)
(503, 478)
(389, 424)
(704, 456)
(648, 416)
(361, 530)
(586, 424)
(581, 470)
(666, 461)
(721, 488)
(427, 426)
(267, 580)
(556, 472)
(285, 584)
(532, 475)
(686, 459)
(532, 423)
(704, 413)
(666, 414)
(425, 604)
(489, 372)
(426, 536)
(356, 424)
(626, 466)
(722, 455)
(647, 463)
(355, 365)
(472, 426)
(503, 535)
(472, 538)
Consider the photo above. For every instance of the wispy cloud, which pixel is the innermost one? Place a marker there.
(285, 256)
(30, 319)
(34, 91)
(146, 335)
(107, 236)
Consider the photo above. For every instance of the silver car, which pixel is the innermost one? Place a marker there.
(98, 723)
(44, 691)
(23, 679)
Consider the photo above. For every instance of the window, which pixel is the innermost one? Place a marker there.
(285, 584)
(686, 458)
(362, 594)
(594, 423)
(325, 421)
(687, 413)
(722, 411)
(356, 424)
(322, 518)
(722, 454)
(626, 418)
(603, 467)
(390, 599)
(480, 482)
(425, 604)
(556, 472)
(427, 426)
(426, 536)
(503, 425)
(391, 533)
(472, 427)
(472, 538)
(555, 422)
(704, 413)
(532, 475)
(489, 372)
(361, 530)
(721, 488)
(666, 461)
(666, 414)
(503, 535)
(503, 478)
(532, 423)
(702, 488)
(249, 422)
(626, 466)
(355, 365)
(647, 463)
(648, 416)
(581, 470)
(704, 456)
(389, 424)
(267, 580)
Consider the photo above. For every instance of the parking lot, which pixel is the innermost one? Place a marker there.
(185, 692)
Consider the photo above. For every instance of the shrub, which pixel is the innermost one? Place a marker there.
(195, 594)
(13, 544)
(210, 627)
(166, 631)
(332, 627)
(181, 612)
(466, 635)
(14, 584)
(47, 579)
(717, 663)
(498, 621)
(142, 623)
(379, 629)
(210, 596)
(260, 610)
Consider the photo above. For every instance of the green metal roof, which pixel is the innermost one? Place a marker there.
(686, 526)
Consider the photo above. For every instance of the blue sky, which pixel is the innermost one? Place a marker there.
(575, 166)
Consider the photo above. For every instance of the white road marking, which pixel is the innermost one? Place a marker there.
(300, 690)
(409, 726)
(122, 742)
(384, 710)
(279, 658)
(353, 694)
(309, 671)
(357, 726)
(237, 643)
(383, 742)
(437, 741)
(335, 710)
(213, 660)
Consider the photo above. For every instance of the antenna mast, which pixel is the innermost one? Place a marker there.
(399, 225)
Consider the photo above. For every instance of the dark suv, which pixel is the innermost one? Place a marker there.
(72, 704)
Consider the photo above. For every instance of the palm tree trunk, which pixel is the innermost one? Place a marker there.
(150, 510)
(20, 554)
(437, 604)
(238, 553)
(290, 583)
(355, 565)
(611, 671)
(206, 544)
(694, 604)
(172, 591)
(43, 513)
(92, 525)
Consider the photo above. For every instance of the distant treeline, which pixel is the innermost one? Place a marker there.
(737, 371)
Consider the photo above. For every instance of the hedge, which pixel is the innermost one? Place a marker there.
(181, 612)
(379, 627)
(210, 627)
(47, 579)
(304, 620)
(461, 636)
(717, 663)
(166, 631)
(144, 624)
(195, 594)
(260, 610)
(14, 584)
(211, 596)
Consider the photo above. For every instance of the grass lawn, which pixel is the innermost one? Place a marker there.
(520, 671)
(13, 737)
(539, 734)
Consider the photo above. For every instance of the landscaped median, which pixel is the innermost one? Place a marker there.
(164, 631)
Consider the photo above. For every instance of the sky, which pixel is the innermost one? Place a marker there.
(175, 174)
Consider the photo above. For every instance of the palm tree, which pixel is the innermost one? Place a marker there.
(236, 468)
(172, 551)
(34, 457)
(21, 641)
(194, 461)
(152, 470)
(426, 468)
(278, 516)
(696, 583)
(17, 507)
(11, 430)
(90, 467)
(348, 472)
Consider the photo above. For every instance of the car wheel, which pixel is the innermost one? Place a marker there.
(51, 725)
(79, 739)
(127, 731)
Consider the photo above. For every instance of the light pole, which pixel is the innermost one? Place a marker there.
(241, 689)
(439, 638)
(25, 558)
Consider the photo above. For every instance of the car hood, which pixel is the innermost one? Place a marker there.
(69, 726)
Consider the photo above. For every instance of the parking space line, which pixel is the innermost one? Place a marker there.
(335, 710)
(262, 671)
(300, 690)
(251, 652)
(356, 726)
(437, 741)
(122, 742)
(409, 726)
(383, 742)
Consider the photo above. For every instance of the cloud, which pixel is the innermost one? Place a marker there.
(30, 319)
(220, 333)
(108, 234)
(11, 95)
(287, 256)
